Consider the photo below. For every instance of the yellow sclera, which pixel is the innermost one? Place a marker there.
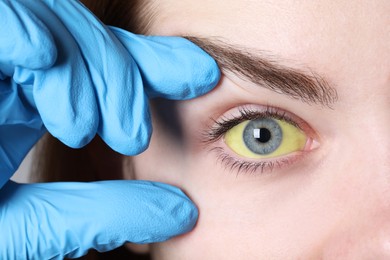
(293, 139)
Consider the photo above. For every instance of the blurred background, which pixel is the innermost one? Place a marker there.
(23, 173)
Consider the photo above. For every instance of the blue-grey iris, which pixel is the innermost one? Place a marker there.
(262, 136)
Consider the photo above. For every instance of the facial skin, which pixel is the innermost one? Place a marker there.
(333, 202)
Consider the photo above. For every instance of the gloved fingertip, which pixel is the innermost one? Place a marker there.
(193, 71)
(167, 212)
(44, 58)
(126, 126)
(75, 134)
(171, 67)
(205, 78)
(186, 216)
(128, 148)
(75, 142)
(130, 140)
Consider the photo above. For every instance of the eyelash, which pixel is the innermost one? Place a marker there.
(224, 124)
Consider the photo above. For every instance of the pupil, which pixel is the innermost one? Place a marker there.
(265, 135)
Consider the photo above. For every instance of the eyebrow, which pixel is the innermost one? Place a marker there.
(308, 87)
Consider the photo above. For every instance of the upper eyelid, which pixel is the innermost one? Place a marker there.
(223, 124)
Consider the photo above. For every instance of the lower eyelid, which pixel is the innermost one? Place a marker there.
(239, 165)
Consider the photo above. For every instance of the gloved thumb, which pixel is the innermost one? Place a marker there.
(57, 220)
(171, 67)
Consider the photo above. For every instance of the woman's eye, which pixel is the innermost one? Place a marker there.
(265, 138)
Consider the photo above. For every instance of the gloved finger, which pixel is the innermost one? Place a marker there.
(58, 220)
(66, 86)
(24, 39)
(125, 123)
(20, 128)
(124, 115)
(171, 67)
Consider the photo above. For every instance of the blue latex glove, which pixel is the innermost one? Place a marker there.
(60, 65)
(54, 220)
(63, 70)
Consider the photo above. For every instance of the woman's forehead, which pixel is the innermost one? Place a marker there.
(328, 36)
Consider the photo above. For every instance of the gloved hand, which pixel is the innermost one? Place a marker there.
(60, 65)
(57, 220)
(63, 70)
